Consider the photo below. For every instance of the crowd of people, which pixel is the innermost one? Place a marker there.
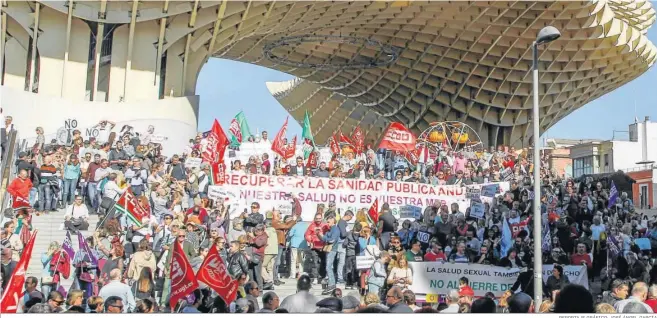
(129, 266)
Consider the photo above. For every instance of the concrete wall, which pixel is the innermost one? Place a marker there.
(626, 154)
(174, 118)
(644, 178)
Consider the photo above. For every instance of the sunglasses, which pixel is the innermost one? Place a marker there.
(119, 307)
(183, 236)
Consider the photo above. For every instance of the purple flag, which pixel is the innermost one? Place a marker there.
(613, 195)
(84, 247)
(62, 291)
(67, 245)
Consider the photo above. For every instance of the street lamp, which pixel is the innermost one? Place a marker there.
(546, 35)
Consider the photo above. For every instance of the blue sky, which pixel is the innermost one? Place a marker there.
(227, 87)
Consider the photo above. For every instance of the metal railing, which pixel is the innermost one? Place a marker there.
(8, 169)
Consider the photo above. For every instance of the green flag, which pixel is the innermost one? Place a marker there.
(307, 135)
(239, 130)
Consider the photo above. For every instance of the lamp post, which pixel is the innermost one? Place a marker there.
(546, 35)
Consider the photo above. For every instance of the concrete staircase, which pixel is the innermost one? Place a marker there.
(51, 228)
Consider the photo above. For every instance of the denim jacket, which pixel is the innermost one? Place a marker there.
(332, 237)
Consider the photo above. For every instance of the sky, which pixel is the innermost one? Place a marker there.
(228, 87)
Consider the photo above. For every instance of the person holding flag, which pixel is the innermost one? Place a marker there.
(16, 282)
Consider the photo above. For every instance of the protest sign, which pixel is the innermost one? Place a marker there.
(410, 212)
(477, 210)
(473, 193)
(193, 162)
(489, 190)
(506, 174)
(434, 278)
(423, 237)
(364, 262)
(643, 243)
(348, 194)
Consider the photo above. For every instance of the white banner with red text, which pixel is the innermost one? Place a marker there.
(437, 278)
(348, 194)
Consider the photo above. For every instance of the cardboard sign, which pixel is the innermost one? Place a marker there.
(364, 262)
(410, 212)
(507, 174)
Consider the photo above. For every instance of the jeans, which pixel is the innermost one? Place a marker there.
(342, 255)
(69, 190)
(330, 259)
(352, 272)
(255, 273)
(385, 240)
(137, 190)
(33, 196)
(279, 257)
(46, 200)
(296, 262)
(92, 192)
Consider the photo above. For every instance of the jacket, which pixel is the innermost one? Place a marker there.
(140, 260)
(259, 242)
(351, 243)
(332, 238)
(20, 188)
(312, 238)
(378, 274)
(296, 235)
(237, 265)
(281, 228)
(121, 290)
(253, 219)
(272, 242)
(301, 302)
(609, 298)
(400, 307)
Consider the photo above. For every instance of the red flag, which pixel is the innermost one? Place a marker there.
(414, 156)
(218, 173)
(290, 149)
(398, 138)
(129, 205)
(312, 160)
(214, 273)
(345, 139)
(14, 290)
(358, 139)
(333, 144)
(217, 143)
(183, 281)
(373, 213)
(25, 232)
(278, 145)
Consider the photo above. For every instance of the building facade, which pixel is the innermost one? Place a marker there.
(644, 191)
(463, 60)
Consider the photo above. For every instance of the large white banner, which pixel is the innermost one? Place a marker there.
(353, 194)
(437, 278)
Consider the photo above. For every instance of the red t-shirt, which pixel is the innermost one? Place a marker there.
(652, 303)
(431, 257)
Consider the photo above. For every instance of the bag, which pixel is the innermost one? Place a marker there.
(327, 248)
(256, 259)
(47, 280)
(86, 277)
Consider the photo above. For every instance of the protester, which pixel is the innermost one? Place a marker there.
(130, 256)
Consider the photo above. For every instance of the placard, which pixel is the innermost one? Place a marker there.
(423, 237)
(477, 210)
(489, 190)
(473, 193)
(506, 174)
(364, 262)
(410, 212)
(193, 162)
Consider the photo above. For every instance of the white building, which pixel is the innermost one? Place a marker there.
(613, 155)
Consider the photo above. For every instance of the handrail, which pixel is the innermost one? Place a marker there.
(8, 169)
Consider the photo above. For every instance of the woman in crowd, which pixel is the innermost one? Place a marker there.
(71, 178)
(56, 264)
(144, 258)
(511, 260)
(461, 255)
(557, 280)
(400, 274)
(144, 287)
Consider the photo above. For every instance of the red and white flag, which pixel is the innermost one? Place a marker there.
(214, 273)
(358, 138)
(312, 160)
(398, 138)
(218, 171)
(14, 290)
(290, 149)
(183, 280)
(333, 144)
(216, 144)
(235, 129)
(420, 154)
(345, 139)
(278, 145)
(373, 212)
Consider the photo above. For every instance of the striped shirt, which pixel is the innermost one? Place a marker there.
(48, 172)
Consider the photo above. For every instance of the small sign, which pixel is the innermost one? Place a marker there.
(364, 262)
(553, 200)
(432, 298)
(193, 162)
(489, 190)
(477, 210)
(423, 237)
(507, 174)
(410, 212)
(472, 193)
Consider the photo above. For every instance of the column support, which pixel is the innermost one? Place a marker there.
(131, 38)
(68, 42)
(35, 36)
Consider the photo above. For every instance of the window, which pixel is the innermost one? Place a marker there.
(606, 160)
(582, 166)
